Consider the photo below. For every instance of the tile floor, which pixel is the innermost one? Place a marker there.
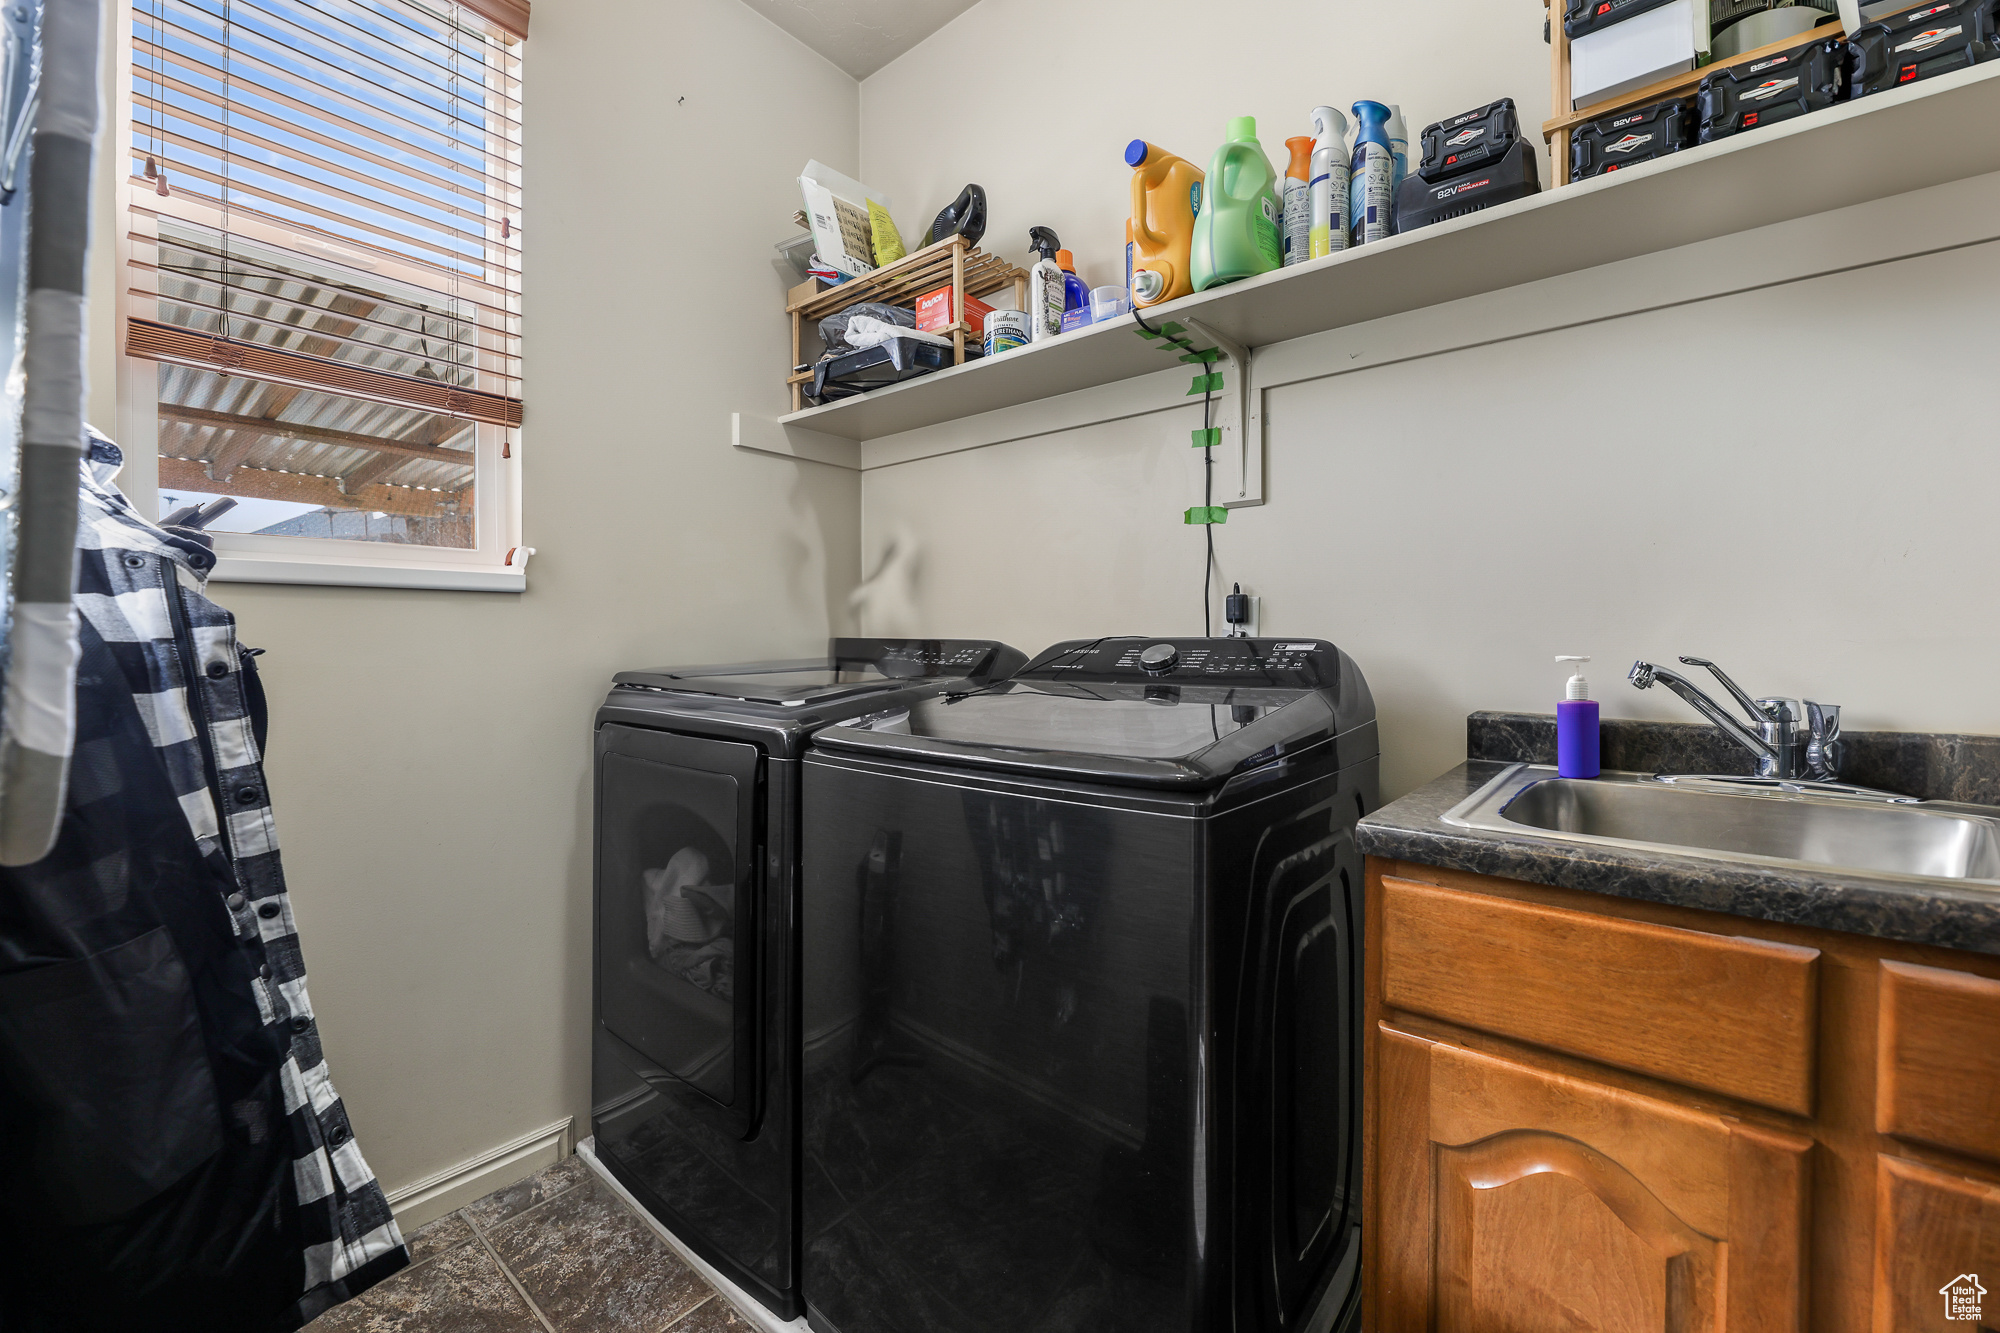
(557, 1253)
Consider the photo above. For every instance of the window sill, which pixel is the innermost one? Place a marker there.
(360, 574)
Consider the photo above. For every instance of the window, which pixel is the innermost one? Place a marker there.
(322, 313)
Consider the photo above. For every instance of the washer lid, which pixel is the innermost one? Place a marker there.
(850, 668)
(1120, 711)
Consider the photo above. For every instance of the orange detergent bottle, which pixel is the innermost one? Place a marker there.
(1166, 197)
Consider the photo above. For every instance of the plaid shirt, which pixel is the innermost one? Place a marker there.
(140, 589)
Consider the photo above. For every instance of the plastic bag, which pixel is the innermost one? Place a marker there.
(833, 329)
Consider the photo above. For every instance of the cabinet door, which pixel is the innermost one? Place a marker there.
(1513, 1200)
(1937, 1245)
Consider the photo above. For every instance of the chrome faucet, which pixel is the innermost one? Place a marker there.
(1794, 740)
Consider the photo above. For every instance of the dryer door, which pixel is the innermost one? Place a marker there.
(677, 888)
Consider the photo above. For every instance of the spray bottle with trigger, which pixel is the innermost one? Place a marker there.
(1577, 734)
(1329, 183)
(1045, 286)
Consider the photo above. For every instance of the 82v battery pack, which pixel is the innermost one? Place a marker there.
(1469, 142)
(1792, 83)
(1630, 138)
(1920, 43)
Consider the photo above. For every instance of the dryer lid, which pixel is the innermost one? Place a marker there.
(851, 667)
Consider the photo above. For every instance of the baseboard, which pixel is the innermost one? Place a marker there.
(432, 1197)
(748, 1306)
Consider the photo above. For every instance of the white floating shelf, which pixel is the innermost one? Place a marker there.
(1927, 134)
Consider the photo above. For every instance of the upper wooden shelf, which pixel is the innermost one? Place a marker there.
(1926, 134)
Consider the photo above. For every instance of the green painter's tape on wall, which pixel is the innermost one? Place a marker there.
(1207, 356)
(1209, 438)
(1206, 514)
(1147, 334)
(1211, 383)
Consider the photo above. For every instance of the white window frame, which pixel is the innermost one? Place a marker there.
(497, 563)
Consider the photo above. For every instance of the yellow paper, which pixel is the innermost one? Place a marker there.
(883, 238)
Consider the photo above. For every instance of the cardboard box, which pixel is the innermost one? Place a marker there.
(934, 311)
(1637, 51)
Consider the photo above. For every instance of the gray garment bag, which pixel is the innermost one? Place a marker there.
(48, 127)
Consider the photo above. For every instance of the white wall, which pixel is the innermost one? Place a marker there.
(430, 751)
(1783, 481)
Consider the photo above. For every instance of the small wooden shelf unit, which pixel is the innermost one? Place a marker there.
(1556, 130)
(970, 271)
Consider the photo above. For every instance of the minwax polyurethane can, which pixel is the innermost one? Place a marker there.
(1005, 330)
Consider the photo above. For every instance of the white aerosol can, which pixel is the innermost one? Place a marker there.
(1329, 182)
(1372, 188)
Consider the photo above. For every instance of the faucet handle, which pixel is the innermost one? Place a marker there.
(1753, 707)
(1823, 747)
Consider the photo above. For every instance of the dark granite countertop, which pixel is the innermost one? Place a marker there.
(1412, 829)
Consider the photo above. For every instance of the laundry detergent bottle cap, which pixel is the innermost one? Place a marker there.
(1166, 199)
(1242, 129)
(1578, 730)
(1065, 261)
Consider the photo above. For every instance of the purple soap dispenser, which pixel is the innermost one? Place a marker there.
(1576, 727)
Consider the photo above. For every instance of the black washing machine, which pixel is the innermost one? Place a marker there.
(694, 1062)
(1082, 997)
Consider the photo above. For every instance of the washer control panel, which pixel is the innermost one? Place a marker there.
(1294, 663)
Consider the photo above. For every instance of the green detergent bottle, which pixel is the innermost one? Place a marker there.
(1237, 234)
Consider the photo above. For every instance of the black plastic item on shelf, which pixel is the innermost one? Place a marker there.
(1722, 13)
(1919, 44)
(892, 362)
(1781, 87)
(1419, 202)
(1629, 138)
(964, 216)
(1587, 16)
(1469, 142)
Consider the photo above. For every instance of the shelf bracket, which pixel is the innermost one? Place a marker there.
(1242, 418)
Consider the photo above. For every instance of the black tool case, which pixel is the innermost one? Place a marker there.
(1630, 138)
(1585, 16)
(1782, 87)
(876, 367)
(1469, 142)
(1920, 44)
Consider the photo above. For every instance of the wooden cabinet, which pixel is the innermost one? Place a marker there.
(1595, 1115)
(1531, 1200)
(1932, 1226)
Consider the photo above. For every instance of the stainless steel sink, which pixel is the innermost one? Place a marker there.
(1784, 823)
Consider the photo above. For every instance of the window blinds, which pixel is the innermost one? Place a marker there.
(326, 195)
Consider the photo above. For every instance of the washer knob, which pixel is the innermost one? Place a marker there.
(1160, 658)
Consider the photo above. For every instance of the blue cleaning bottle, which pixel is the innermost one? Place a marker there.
(1372, 181)
(1076, 296)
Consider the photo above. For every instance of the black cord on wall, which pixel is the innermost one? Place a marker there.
(1208, 501)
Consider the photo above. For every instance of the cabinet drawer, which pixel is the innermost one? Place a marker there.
(1735, 1016)
(1937, 1077)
